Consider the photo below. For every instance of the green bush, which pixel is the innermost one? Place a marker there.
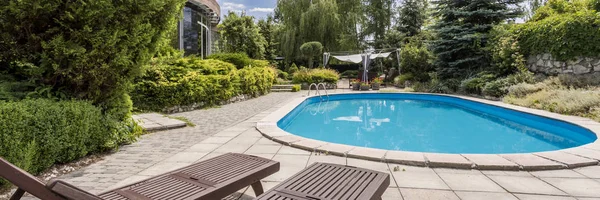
(506, 53)
(88, 50)
(566, 29)
(474, 85)
(416, 60)
(293, 69)
(35, 134)
(283, 75)
(240, 60)
(400, 80)
(316, 76)
(349, 74)
(256, 81)
(296, 88)
(188, 81)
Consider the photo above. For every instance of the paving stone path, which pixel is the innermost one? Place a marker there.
(137, 160)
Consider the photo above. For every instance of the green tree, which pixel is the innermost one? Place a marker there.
(379, 14)
(413, 14)
(87, 49)
(242, 35)
(310, 50)
(268, 29)
(462, 32)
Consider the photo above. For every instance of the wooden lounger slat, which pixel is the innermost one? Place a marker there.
(214, 178)
(211, 179)
(325, 181)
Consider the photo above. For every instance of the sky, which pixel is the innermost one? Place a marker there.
(257, 8)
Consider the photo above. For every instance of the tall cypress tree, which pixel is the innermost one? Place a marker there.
(462, 31)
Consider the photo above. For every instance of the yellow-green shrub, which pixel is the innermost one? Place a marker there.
(188, 81)
(256, 81)
(316, 76)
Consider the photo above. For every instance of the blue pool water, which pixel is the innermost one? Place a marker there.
(429, 123)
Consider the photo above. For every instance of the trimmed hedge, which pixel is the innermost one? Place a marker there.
(35, 134)
(316, 76)
(188, 81)
(192, 80)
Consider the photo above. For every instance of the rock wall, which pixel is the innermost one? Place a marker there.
(195, 106)
(546, 64)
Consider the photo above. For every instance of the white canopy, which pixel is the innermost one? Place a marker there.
(357, 58)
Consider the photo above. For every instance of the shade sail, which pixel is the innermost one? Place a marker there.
(357, 58)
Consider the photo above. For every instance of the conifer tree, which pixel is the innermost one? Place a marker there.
(462, 33)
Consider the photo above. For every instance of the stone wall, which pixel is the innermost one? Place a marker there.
(546, 64)
(195, 106)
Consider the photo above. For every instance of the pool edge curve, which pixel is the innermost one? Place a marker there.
(585, 155)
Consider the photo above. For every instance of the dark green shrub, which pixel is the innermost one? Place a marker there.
(293, 69)
(566, 29)
(349, 74)
(90, 49)
(506, 53)
(240, 60)
(474, 85)
(496, 88)
(35, 134)
(400, 80)
(189, 81)
(256, 81)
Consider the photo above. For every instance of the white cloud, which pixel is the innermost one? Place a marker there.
(233, 6)
(267, 10)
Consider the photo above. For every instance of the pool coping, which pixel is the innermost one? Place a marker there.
(581, 156)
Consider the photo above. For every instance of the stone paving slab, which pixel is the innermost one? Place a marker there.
(157, 122)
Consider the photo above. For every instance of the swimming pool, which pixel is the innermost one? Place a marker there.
(429, 123)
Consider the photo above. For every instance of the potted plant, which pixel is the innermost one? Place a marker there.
(355, 84)
(364, 86)
(376, 83)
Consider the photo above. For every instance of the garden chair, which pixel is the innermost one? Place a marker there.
(214, 178)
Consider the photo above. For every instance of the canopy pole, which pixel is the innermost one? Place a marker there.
(398, 58)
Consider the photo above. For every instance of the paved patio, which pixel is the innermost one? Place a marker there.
(166, 150)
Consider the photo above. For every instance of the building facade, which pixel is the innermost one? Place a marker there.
(198, 28)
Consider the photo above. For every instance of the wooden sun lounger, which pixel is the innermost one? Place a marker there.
(325, 181)
(215, 178)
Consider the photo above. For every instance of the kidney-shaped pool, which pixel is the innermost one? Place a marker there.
(429, 123)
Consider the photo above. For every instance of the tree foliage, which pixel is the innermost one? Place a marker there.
(310, 50)
(88, 49)
(268, 30)
(241, 35)
(412, 16)
(379, 14)
(462, 31)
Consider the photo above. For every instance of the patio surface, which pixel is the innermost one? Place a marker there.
(232, 128)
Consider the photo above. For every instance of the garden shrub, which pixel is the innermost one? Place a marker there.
(256, 81)
(88, 50)
(401, 80)
(316, 76)
(296, 88)
(35, 134)
(293, 69)
(349, 74)
(474, 85)
(581, 102)
(240, 60)
(506, 53)
(188, 81)
(566, 29)
(416, 60)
